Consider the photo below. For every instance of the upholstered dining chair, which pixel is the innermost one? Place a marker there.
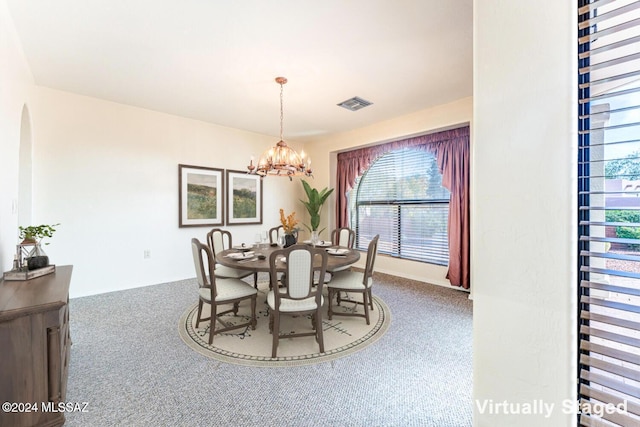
(218, 241)
(274, 233)
(297, 294)
(355, 282)
(344, 237)
(217, 291)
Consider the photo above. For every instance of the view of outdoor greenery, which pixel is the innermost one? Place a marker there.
(627, 167)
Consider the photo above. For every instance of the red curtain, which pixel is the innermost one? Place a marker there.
(451, 149)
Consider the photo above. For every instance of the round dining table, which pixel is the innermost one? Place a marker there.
(252, 260)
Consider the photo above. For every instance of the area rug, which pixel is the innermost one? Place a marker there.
(343, 335)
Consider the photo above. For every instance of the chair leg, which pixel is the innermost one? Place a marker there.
(254, 321)
(318, 325)
(329, 299)
(212, 328)
(255, 280)
(236, 305)
(199, 313)
(271, 322)
(370, 298)
(276, 334)
(365, 303)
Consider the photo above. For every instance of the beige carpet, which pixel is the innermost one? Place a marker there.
(343, 335)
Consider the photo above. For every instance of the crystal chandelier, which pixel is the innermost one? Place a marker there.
(281, 160)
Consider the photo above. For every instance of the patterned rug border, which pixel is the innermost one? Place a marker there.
(185, 328)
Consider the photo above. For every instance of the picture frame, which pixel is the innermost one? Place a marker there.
(244, 198)
(201, 196)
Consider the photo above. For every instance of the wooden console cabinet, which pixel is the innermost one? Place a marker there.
(34, 348)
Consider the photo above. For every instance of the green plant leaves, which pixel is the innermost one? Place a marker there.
(37, 232)
(314, 202)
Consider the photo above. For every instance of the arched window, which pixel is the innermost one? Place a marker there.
(401, 198)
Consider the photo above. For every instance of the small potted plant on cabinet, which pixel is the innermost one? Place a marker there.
(33, 236)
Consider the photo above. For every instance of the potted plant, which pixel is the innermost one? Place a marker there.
(33, 236)
(315, 200)
(289, 223)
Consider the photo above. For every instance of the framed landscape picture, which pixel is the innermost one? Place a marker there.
(244, 198)
(201, 196)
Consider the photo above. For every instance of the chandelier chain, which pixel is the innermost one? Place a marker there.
(281, 110)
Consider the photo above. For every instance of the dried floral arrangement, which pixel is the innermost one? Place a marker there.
(289, 222)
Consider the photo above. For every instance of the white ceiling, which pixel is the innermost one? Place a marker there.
(216, 61)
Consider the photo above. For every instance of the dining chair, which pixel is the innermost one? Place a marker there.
(296, 295)
(218, 291)
(274, 233)
(343, 237)
(218, 241)
(355, 282)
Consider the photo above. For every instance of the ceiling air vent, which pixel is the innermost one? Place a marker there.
(355, 103)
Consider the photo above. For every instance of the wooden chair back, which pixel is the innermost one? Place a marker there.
(345, 237)
(372, 251)
(219, 240)
(204, 270)
(274, 233)
(301, 262)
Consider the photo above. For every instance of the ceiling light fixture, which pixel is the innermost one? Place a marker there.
(281, 160)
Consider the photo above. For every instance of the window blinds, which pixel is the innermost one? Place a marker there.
(401, 198)
(609, 211)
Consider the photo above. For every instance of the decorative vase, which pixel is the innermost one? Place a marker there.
(290, 239)
(37, 258)
(315, 237)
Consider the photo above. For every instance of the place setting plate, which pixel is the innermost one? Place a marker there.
(338, 251)
(241, 255)
(243, 248)
(320, 244)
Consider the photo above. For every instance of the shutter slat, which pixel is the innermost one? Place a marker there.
(611, 336)
(603, 396)
(618, 417)
(610, 383)
(616, 369)
(610, 304)
(623, 323)
(616, 12)
(588, 421)
(611, 352)
(610, 288)
(610, 272)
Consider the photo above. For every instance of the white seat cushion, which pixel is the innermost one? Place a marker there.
(288, 305)
(346, 267)
(231, 273)
(349, 280)
(316, 277)
(229, 289)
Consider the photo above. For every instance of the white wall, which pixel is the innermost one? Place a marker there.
(15, 81)
(523, 210)
(109, 174)
(323, 154)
